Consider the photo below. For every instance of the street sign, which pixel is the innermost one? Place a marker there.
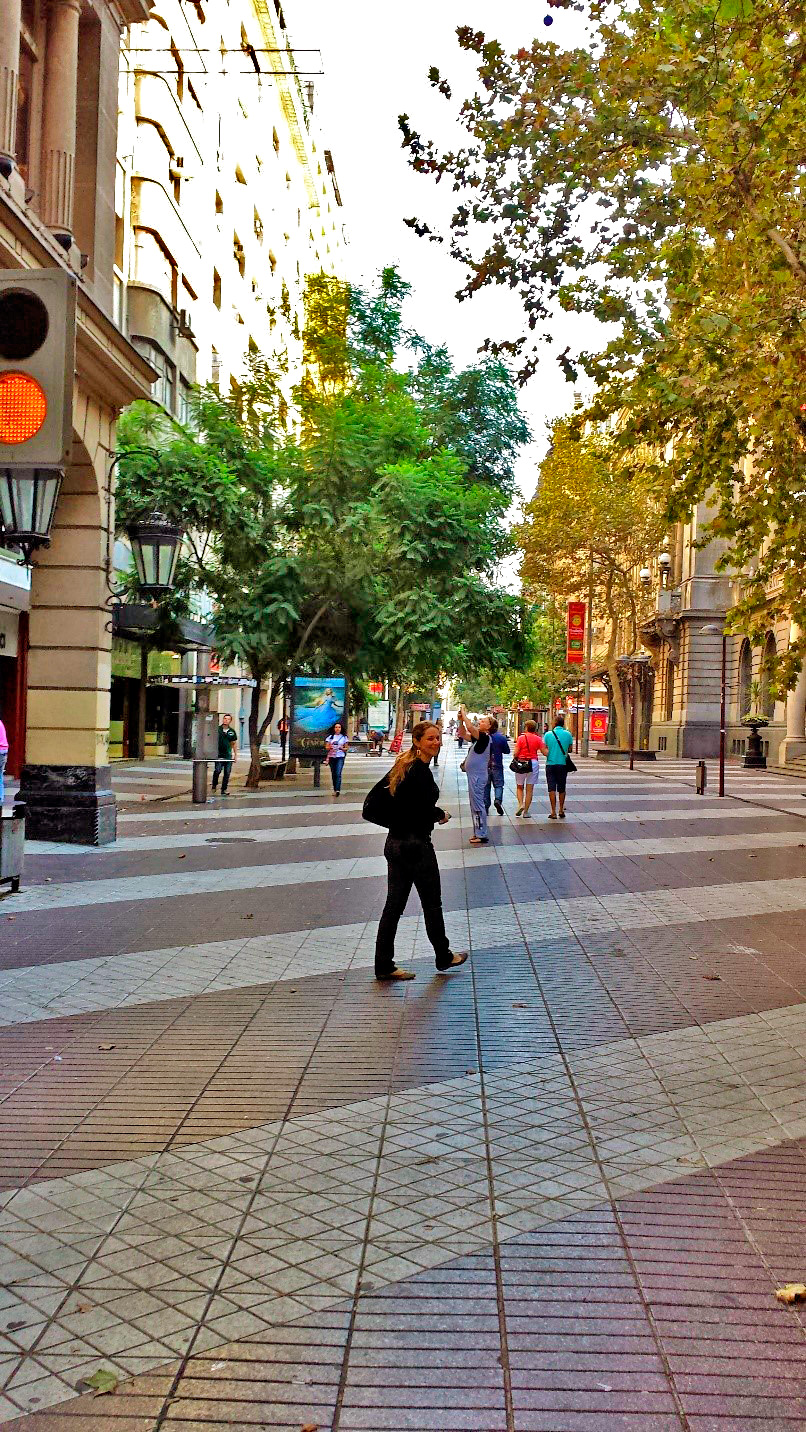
(200, 681)
(575, 642)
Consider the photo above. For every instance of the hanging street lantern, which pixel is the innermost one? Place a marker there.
(155, 543)
(28, 497)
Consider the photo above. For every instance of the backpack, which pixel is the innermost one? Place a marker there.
(377, 807)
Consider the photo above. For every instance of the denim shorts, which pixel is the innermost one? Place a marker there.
(556, 777)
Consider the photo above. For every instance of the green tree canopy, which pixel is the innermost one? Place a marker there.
(653, 177)
(363, 543)
(590, 514)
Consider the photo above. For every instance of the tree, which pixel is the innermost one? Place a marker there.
(588, 510)
(361, 544)
(653, 179)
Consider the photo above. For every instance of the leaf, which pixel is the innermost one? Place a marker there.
(102, 1382)
(105, 1048)
(310, 1427)
(712, 977)
(791, 1293)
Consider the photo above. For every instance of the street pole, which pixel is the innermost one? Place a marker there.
(576, 723)
(586, 720)
(632, 717)
(722, 704)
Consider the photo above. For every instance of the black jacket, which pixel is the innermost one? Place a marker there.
(412, 810)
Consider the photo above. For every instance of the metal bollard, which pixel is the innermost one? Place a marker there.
(701, 778)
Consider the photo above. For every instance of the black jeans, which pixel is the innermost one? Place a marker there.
(411, 862)
(223, 769)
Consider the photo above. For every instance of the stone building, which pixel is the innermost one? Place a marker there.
(226, 197)
(58, 155)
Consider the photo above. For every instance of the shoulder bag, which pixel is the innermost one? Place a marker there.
(520, 766)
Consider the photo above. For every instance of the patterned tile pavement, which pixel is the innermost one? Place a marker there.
(554, 1191)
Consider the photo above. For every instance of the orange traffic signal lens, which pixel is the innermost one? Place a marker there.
(23, 407)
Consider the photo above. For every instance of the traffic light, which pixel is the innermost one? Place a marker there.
(37, 359)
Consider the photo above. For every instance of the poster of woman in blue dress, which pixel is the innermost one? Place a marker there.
(317, 703)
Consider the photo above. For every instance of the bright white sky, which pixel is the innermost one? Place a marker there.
(376, 56)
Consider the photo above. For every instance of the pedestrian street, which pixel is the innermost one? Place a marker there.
(552, 1191)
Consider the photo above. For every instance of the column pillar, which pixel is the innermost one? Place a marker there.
(65, 782)
(794, 743)
(9, 79)
(59, 118)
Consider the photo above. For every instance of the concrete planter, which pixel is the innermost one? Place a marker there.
(12, 847)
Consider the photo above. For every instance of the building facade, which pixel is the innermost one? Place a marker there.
(226, 198)
(59, 65)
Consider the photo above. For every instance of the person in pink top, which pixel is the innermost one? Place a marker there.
(3, 759)
(528, 748)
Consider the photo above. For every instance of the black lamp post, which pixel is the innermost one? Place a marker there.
(155, 543)
(28, 497)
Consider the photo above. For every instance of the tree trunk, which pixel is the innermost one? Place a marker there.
(622, 734)
(258, 731)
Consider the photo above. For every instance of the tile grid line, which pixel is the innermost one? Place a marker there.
(500, 1298)
(216, 1288)
(746, 800)
(611, 1198)
(359, 1280)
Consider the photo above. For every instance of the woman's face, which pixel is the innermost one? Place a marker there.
(430, 743)
(337, 729)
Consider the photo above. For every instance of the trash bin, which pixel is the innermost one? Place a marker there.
(12, 846)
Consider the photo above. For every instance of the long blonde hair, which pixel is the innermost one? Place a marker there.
(406, 759)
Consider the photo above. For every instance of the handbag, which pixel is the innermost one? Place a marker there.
(569, 765)
(377, 807)
(519, 765)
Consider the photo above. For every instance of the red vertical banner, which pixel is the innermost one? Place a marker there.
(575, 644)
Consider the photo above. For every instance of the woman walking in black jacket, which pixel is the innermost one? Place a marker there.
(411, 813)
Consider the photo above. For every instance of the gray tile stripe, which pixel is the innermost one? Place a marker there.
(81, 986)
(64, 895)
(288, 1206)
(538, 851)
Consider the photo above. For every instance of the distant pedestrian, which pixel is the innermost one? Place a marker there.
(282, 730)
(527, 764)
(405, 801)
(499, 748)
(227, 741)
(476, 766)
(336, 746)
(439, 728)
(3, 759)
(558, 743)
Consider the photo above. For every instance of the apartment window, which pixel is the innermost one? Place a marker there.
(215, 366)
(272, 261)
(195, 97)
(216, 288)
(745, 677)
(258, 227)
(163, 389)
(275, 139)
(238, 254)
(28, 59)
(239, 175)
(219, 203)
(180, 71)
(184, 413)
(669, 706)
(662, 743)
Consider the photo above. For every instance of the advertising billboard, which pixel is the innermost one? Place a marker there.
(378, 716)
(317, 703)
(599, 717)
(575, 646)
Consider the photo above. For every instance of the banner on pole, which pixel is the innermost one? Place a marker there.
(317, 703)
(599, 718)
(575, 645)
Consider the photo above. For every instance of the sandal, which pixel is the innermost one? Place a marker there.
(456, 960)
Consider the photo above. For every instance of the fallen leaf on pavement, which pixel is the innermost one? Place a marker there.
(791, 1293)
(105, 1048)
(182, 857)
(102, 1381)
(247, 917)
(519, 1004)
(712, 977)
(310, 1427)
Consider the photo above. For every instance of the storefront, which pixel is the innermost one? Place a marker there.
(162, 735)
(13, 650)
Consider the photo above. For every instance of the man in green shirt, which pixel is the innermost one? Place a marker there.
(558, 743)
(227, 741)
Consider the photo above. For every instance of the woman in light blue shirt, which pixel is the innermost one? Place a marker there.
(558, 744)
